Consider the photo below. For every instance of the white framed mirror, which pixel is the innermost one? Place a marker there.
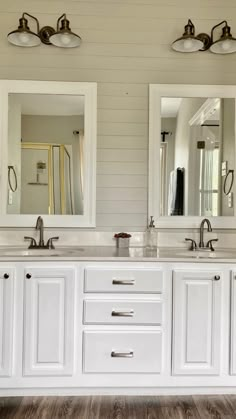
(192, 155)
(48, 153)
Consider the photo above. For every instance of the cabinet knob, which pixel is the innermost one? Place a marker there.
(28, 276)
(217, 277)
(6, 276)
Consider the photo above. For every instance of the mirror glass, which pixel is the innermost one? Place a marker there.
(45, 154)
(197, 156)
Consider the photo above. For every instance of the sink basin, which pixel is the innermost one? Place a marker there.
(18, 252)
(198, 254)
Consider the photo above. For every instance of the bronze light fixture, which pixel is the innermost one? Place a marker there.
(189, 42)
(61, 37)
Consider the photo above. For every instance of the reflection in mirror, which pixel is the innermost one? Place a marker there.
(197, 151)
(45, 149)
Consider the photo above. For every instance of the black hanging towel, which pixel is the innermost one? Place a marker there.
(177, 192)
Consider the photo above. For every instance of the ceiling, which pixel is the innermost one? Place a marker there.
(170, 106)
(39, 104)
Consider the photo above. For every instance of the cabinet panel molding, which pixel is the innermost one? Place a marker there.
(49, 322)
(196, 323)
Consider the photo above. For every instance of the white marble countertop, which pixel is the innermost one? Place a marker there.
(110, 253)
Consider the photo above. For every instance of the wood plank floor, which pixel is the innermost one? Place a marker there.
(119, 407)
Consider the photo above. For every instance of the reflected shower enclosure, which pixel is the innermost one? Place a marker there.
(46, 179)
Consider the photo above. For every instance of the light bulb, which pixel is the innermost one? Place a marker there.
(24, 37)
(188, 43)
(225, 45)
(65, 39)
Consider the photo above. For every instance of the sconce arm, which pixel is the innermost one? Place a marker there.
(33, 17)
(190, 23)
(216, 26)
(58, 20)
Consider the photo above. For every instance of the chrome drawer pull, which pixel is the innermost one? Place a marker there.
(122, 354)
(129, 313)
(123, 281)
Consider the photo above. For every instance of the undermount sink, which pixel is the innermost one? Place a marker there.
(203, 254)
(40, 252)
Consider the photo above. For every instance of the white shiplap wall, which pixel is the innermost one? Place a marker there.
(126, 46)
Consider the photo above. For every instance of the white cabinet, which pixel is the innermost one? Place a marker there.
(49, 316)
(116, 325)
(233, 325)
(197, 322)
(6, 320)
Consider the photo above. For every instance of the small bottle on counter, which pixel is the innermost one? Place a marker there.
(151, 235)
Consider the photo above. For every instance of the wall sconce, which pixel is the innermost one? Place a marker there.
(226, 44)
(61, 37)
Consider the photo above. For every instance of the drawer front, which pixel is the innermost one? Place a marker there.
(122, 312)
(122, 352)
(123, 280)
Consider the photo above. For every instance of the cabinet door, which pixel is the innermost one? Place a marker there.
(6, 321)
(196, 323)
(233, 326)
(49, 321)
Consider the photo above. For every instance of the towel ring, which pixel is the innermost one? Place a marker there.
(12, 169)
(226, 192)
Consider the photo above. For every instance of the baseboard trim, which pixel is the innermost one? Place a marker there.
(165, 391)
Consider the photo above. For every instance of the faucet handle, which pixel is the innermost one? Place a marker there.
(32, 242)
(209, 244)
(50, 244)
(193, 245)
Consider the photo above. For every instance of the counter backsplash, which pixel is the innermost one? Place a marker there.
(72, 237)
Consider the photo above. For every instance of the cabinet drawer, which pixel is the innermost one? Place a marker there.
(123, 280)
(122, 352)
(122, 312)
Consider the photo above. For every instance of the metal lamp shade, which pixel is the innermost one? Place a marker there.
(24, 38)
(224, 46)
(187, 44)
(65, 39)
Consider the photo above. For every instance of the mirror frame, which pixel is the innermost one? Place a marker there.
(156, 92)
(89, 91)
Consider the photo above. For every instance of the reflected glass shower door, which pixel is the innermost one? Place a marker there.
(46, 179)
(36, 188)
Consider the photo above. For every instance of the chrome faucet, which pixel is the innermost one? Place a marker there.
(33, 244)
(204, 221)
(40, 226)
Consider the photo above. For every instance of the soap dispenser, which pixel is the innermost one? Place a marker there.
(151, 235)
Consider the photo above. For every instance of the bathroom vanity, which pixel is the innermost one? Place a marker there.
(102, 320)
(117, 324)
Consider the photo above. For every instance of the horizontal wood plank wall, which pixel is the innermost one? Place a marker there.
(126, 46)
